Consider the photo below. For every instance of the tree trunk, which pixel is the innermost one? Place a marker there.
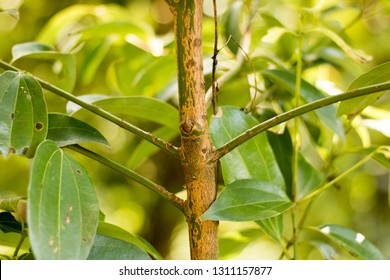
(196, 152)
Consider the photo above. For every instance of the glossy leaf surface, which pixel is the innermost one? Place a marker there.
(65, 130)
(354, 242)
(63, 209)
(252, 160)
(23, 114)
(248, 200)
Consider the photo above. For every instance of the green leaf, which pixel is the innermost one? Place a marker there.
(357, 55)
(23, 114)
(376, 75)
(142, 107)
(309, 178)
(145, 149)
(309, 93)
(108, 248)
(65, 130)
(273, 227)
(252, 160)
(64, 64)
(327, 251)
(121, 234)
(282, 147)
(63, 209)
(355, 243)
(248, 200)
(232, 23)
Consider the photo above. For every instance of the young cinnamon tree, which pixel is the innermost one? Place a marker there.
(257, 140)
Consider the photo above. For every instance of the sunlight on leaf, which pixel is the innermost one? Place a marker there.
(354, 242)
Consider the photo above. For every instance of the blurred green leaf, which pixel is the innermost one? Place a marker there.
(376, 75)
(108, 248)
(326, 250)
(309, 93)
(142, 107)
(144, 149)
(252, 160)
(273, 227)
(248, 200)
(63, 209)
(23, 114)
(114, 231)
(355, 243)
(64, 64)
(65, 130)
(232, 25)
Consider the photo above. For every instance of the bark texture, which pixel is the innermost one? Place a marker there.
(196, 151)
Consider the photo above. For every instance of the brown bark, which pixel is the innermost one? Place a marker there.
(196, 151)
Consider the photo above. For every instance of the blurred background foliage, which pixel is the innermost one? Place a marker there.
(126, 48)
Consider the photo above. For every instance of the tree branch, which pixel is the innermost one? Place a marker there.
(163, 192)
(166, 146)
(250, 133)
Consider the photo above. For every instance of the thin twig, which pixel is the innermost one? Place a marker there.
(176, 201)
(252, 132)
(214, 87)
(166, 146)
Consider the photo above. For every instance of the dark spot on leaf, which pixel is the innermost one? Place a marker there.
(38, 126)
(84, 239)
(25, 150)
(78, 171)
(12, 116)
(11, 150)
(67, 218)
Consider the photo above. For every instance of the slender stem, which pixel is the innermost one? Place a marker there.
(338, 178)
(215, 61)
(296, 139)
(176, 201)
(250, 133)
(166, 146)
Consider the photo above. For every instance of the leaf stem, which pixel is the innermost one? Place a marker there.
(250, 133)
(176, 201)
(166, 146)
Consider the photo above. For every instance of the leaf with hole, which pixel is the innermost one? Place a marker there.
(63, 209)
(377, 75)
(65, 130)
(23, 114)
(252, 160)
(248, 200)
(353, 242)
(109, 248)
